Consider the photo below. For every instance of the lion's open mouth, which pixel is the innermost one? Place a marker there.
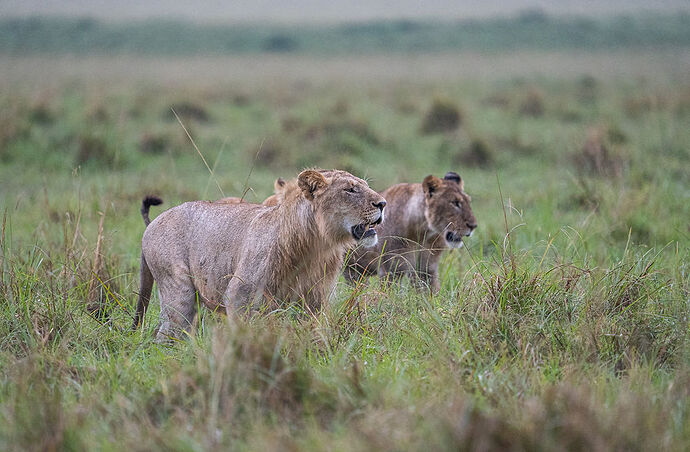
(452, 237)
(364, 230)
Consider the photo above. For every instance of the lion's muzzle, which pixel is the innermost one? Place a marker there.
(365, 233)
(453, 239)
(362, 231)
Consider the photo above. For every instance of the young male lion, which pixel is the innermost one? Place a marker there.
(422, 220)
(235, 256)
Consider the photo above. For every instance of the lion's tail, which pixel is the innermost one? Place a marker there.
(146, 278)
(146, 205)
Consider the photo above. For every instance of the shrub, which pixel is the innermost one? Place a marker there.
(334, 128)
(187, 111)
(92, 149)
(598, 157)
(269, 153)
(637, 106)
(153, 143)
(443, 116)
(533, 104)
(41, 114)
(478, 154)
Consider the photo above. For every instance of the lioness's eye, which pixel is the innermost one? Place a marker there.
(456, 203)
(351, 190)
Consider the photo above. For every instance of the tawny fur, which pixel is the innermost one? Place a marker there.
(237, 257)
(413, 236)
(419, 219)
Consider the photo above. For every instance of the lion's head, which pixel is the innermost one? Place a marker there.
(447, 208)
(344, 205)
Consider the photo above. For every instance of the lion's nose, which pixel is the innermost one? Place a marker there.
(380, 204)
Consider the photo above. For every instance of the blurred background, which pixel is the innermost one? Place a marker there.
(219, 98)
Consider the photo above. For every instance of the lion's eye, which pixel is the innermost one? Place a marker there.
(351, 190)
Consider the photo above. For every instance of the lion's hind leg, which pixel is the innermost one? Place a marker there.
(179, 302)
(426, 277)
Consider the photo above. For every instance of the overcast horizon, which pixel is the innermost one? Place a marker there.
(320, 10)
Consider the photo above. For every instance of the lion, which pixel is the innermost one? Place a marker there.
(422, 220)
(237, 257)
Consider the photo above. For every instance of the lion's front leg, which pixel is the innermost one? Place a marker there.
(427, 271)
(394, 266)
(427, 281)
(243, 295)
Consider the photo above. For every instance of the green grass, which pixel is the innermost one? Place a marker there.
(562, 325)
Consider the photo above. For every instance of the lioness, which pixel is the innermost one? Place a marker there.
(234, 256)
(422, 220)
(272, 200)
(280, 188)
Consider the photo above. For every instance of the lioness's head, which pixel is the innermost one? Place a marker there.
(344, 205)
(448, 210)
(279, 188)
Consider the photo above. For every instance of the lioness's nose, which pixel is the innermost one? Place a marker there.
(380, 204)
(472, 225)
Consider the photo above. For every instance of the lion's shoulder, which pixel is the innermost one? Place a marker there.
(404, 199)
(402, 191)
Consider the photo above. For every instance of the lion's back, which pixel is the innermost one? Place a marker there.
(182, 235)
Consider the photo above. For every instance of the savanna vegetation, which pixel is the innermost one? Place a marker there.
(532, 29)
(563, 323)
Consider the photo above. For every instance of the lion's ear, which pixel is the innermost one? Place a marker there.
(310, 181)
(279, 184)
(454, 177)
(431, 184)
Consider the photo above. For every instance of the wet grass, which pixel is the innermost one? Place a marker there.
(562, 325)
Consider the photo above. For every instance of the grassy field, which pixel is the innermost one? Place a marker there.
(563, 324)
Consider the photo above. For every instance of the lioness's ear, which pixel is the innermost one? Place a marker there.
(310, 181)
(431, 184)
(455, 177)
(278, 184)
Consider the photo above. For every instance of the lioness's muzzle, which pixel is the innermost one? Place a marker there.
(453, 237)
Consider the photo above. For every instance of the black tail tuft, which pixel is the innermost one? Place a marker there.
(152, 201)
(146, 205)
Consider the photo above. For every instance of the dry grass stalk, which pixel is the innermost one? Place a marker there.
(97, 290)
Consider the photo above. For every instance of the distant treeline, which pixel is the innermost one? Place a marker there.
(529, 30)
